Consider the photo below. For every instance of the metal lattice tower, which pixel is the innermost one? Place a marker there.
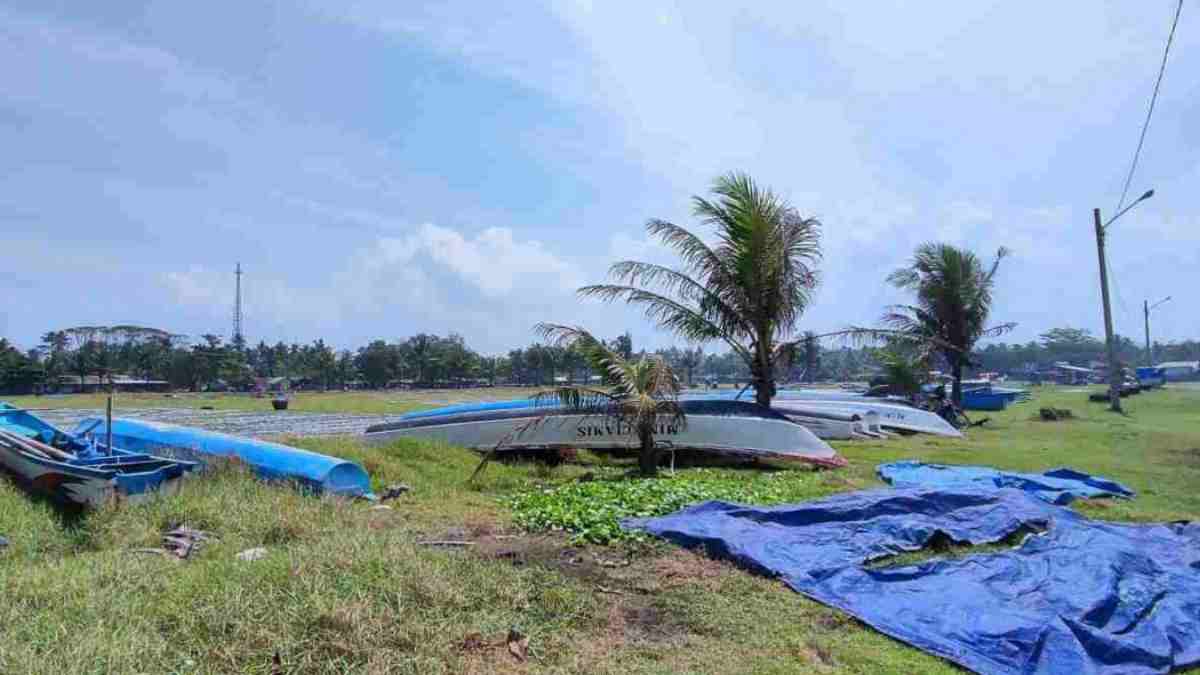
(238, 337)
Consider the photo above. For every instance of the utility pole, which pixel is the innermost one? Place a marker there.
(1146, 312)
(1114, 372)
(1146, 307)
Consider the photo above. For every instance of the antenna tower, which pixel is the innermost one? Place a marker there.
(238, 338)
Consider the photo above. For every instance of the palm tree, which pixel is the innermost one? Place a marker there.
(810, 347)
(748, 288)
(953, 300)
(642, 394)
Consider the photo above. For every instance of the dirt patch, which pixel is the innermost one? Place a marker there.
(551, 551)
(1188, 456)
(817, 654)
(473, 643)
(680, 567)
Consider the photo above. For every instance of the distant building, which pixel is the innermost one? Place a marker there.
(1065, 373)
(1174, 371)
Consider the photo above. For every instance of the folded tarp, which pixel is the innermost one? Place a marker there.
(1060, 486)
(1082, 597)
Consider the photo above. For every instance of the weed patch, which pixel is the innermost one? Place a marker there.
(591, 511)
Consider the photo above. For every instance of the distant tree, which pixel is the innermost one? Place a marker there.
(54, 346)
(323, 362)
(345, 372)
(953, 302)
(623, 345)
(689, 360)
(85, 350)
(810, 354)
(375, 363)
(420, 350)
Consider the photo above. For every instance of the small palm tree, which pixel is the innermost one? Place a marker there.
(747, 289)
(953, 292)
(641, 394)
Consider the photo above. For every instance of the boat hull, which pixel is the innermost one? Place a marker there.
(892, 416)
(831, 424)
(273, 461)
(721, 427)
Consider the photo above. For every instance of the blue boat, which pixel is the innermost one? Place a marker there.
(272, 461)
(75, 470)
(981, 399)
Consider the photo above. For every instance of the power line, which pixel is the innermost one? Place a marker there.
(1153, 99)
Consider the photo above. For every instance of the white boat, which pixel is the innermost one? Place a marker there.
(734, 428)
(891, 415)
(831, 424)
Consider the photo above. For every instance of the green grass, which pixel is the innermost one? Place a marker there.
(345, 588)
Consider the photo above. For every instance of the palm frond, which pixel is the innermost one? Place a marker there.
(688, 322)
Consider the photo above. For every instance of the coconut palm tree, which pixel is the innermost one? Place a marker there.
(748, 288)
(953, 292)
(641, 394)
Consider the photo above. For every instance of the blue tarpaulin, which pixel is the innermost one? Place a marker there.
(1082, 597)
(1060, 486)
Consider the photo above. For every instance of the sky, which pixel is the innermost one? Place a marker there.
(384, 168)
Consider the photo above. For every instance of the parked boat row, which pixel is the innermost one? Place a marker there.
(716, 426)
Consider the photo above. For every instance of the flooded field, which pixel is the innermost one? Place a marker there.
(239, 422)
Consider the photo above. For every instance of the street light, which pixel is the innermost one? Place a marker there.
(1114, 373)
(1146, 195)
(1146, 307)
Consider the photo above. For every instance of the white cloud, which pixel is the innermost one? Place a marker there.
(493, 261)
(492, 284)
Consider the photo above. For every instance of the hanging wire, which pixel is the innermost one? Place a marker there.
(1153, 99)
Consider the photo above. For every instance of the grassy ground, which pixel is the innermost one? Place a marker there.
(348, 588)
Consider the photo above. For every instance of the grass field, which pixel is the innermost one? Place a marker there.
(348, 588)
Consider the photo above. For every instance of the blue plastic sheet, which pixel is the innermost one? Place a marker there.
(1082, 597)
(1060, 486)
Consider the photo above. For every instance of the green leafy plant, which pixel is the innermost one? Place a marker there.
(591, 511)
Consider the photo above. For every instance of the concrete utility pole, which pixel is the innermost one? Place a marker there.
(1146, 307)
(1114, 372)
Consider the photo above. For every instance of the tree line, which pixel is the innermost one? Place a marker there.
(427, 360)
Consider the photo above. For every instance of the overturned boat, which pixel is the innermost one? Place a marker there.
(81, 471)
(891, 415)
(831, 423)
(734, 428)
(272, 461)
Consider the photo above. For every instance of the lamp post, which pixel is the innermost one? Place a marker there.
(1114, 373)
(1146, 307)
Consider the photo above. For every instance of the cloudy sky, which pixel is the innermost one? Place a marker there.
(381, 168)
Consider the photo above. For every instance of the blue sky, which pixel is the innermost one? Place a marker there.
(382, 168)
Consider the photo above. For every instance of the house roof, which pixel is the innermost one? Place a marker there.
(1074, 369)
(1194, 365)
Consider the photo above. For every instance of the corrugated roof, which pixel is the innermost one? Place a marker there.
(1194, 365)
